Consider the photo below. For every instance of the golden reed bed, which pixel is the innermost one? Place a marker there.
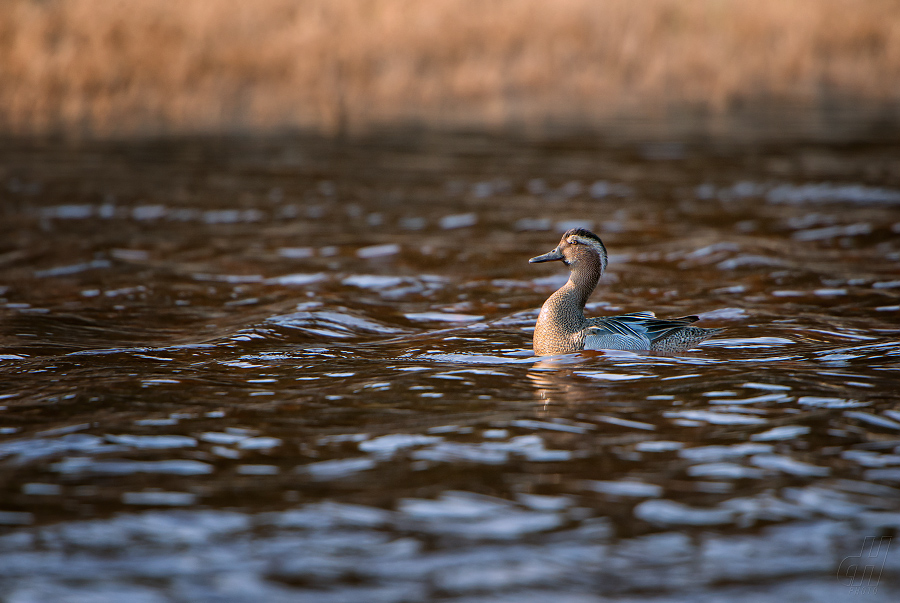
(107, 67)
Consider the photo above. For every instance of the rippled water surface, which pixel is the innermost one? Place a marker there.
(299, 370)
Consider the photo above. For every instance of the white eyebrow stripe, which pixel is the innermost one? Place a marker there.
(595, 245)
(586, 241)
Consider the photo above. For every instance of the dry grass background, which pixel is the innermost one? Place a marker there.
(124, 67)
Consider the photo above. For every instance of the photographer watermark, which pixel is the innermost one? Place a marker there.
(861, 573)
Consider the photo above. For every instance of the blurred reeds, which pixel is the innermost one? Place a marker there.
(127, 67)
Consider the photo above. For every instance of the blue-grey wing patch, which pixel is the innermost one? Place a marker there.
(634, 331)
(613, 334)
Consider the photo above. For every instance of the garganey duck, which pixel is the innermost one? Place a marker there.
(562, 328)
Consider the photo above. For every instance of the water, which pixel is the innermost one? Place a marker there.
(301, 370)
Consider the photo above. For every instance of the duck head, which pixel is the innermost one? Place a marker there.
(577, 248)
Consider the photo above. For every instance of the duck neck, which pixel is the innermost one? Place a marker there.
(571, 297)
(582, 281)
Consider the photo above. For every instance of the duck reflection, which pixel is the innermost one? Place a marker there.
(555, 382)
(558, 379)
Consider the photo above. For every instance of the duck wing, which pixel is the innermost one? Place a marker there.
(634, 331)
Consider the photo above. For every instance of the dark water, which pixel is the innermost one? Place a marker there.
(297, 370)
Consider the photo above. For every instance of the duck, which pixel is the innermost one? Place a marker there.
(562, 328)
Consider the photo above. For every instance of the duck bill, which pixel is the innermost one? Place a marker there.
(556, 254)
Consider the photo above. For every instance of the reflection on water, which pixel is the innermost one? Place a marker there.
(296, 370)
